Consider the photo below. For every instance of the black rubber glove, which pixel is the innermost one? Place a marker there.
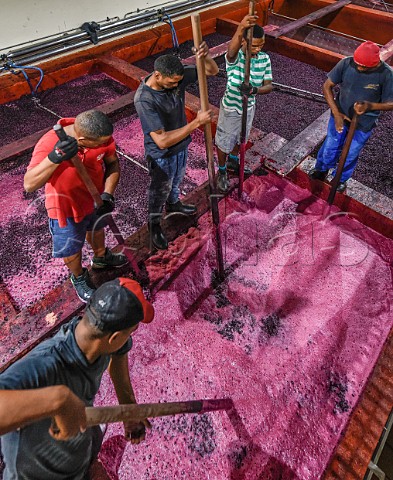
(64, 150)
(107, 206)
(248, 89)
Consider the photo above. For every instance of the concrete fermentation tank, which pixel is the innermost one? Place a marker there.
(299, 334)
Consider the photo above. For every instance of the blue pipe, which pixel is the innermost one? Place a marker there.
(11, 66)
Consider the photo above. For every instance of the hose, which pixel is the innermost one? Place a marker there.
(12, 67)
(167, 19)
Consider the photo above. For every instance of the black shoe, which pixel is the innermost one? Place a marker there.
(222, 181)
(341, 187)
(179, 207)
(315, 174)
(83, 285)
(157, 236)
(109, 260)
(233, 165)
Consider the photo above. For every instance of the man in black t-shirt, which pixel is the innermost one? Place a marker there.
(366, 87)
(160, 103)
(60, 377)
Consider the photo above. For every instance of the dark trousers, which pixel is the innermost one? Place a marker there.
(166, 175)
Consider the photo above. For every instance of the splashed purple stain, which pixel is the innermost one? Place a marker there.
(339, 388)
(271, 325)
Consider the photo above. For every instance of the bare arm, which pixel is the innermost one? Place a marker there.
(118, 370)
(328, 93)
(236, 41)
(164, 139)
(21, 407)
(211, 67)
(363, 107)
(338, 116)
(267, 87)
(37, 176)
(112, 174)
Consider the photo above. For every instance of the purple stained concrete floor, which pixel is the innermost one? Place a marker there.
(291, 336)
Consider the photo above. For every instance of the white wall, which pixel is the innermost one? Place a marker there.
(27, 20)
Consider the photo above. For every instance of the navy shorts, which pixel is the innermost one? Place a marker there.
(69, 240)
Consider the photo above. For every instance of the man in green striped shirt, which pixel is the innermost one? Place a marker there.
(230, 117)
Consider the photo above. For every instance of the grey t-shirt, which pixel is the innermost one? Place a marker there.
(30, 453)
(163, 110)
(373, 86)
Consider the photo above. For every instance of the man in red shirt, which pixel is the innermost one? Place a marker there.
(71, 210)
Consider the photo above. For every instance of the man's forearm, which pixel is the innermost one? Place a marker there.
(387, 106)
(21, 407)
(37, 176)
(210, 66)
(112, 177)
(167, 139)
(328, 94)
(118, 371)
(235, 44)
(265, 89)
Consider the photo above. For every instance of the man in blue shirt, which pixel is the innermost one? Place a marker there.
(160, 104)
(51, 386)
(366, 87)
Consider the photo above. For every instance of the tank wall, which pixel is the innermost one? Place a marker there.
(22, 21)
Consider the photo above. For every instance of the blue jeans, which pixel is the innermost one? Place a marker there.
(69, 240)
(330, 151)
(166, 175)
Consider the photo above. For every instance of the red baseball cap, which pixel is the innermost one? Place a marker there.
(119, 304)
(367, 54)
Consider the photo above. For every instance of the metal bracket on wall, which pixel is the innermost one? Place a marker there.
(376, 471)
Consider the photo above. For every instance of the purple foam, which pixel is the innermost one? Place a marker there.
(291, 336)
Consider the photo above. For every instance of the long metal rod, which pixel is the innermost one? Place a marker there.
(299, 92)
(68, 38)
(58, 51)
(203, 94)
(132, 160)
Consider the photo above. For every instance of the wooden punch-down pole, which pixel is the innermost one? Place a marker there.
(82, 172)
(343, 157)
(200, 62)
(138, 412)
(247, 67)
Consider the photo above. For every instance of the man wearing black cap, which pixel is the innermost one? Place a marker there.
(60, 377)
(366, 87)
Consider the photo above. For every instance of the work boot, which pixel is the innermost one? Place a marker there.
(222, 181)
(83, 285)
(341, 187)
(109, 260)
(157, 236)
(179, 207)
(315, 174)
(233, 165)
